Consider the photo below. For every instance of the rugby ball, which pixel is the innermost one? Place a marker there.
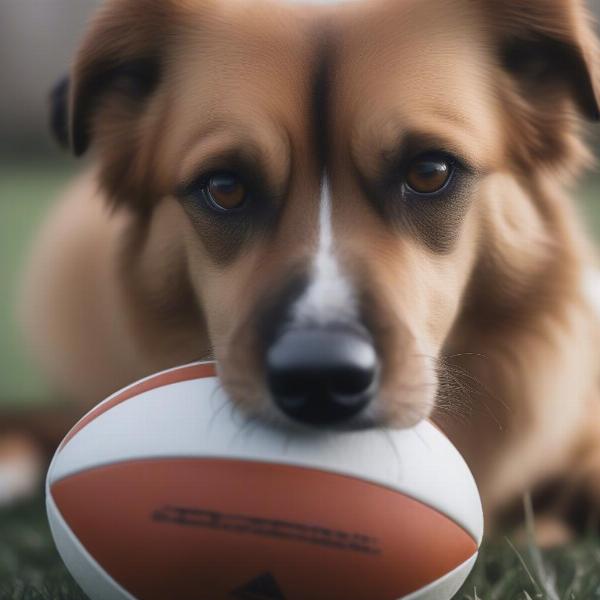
(165, 490)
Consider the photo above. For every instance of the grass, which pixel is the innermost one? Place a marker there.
(30, 568)
(506, 572)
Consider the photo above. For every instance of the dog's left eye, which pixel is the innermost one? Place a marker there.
(225, 191)
(429, 173)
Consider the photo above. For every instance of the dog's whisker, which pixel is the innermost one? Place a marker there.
(217, 413)
(469, 393)
(462, 354)
(207, 356)
(246, 429)
(457, 411)
(455, 398)
(234, 383)
(442, 365)
(417, 433)
(482, 386)
(469, 387)
(390, 440)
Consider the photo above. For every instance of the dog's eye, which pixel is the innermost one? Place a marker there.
(226, 191)
(429, 173)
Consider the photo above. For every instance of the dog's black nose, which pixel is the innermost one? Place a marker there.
(322, 376)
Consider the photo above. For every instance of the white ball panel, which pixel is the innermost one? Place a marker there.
(195, 419)
(447, 586)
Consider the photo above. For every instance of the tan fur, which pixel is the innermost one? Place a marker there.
(492, 333)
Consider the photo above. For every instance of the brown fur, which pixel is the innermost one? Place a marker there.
(477, 305)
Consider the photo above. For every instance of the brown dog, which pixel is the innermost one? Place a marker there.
(357, 209)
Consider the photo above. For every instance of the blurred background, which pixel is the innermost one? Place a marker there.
(37, 42)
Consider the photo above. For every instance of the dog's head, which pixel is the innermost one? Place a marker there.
(341, 185)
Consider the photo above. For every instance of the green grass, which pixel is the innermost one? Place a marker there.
(506, 572)
(30, 568)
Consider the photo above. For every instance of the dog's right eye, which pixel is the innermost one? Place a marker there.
(429, 173)
(225, 191)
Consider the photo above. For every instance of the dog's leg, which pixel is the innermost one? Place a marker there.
(569, 502)
(579, 498)
(28, 438)
(47, 424)
(21, 467)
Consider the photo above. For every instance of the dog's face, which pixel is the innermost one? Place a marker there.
(341, 183)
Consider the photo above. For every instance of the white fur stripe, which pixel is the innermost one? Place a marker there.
(329, 295)
(591, 288)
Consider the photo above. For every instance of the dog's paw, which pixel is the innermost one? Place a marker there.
(21, 468)
(548, 531)
(576, 495)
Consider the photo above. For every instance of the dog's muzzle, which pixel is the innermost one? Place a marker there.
(323, 375)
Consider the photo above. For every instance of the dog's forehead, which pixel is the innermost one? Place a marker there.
(420, 59)
(317, 2)
(420, 52)
(309, 3)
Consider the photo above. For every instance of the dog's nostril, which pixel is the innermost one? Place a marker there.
(322, 376)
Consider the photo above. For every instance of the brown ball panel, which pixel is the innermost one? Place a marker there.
(218, 529)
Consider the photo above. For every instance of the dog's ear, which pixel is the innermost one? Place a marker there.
(550, 48)
(120, 58)
(59, 100)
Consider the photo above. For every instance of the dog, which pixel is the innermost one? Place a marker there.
(361, 211)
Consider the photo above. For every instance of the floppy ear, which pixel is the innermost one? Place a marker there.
(550, 48)
(58, 100)
(119, 62)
